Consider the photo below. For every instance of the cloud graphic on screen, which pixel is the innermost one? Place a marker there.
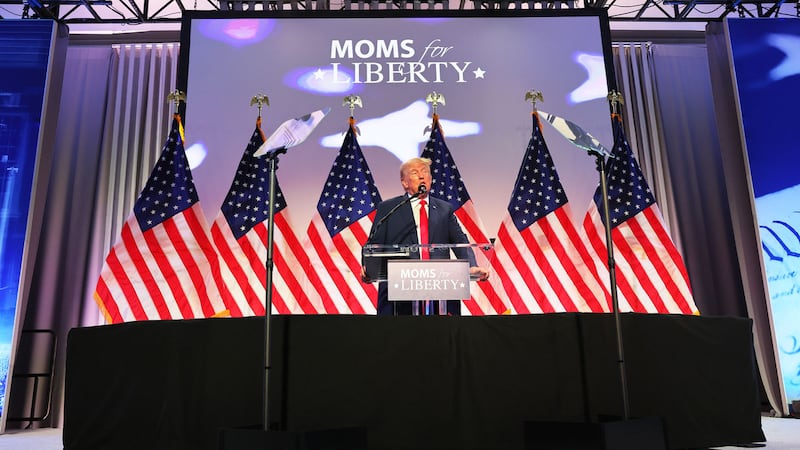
(595, 85)
(322, 81)
(790, 46)
(196, 154)
(401, 132)
(237, 32)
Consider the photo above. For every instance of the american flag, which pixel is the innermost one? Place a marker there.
(448, 185)
(650, 273)
(240, 236)
(339, 229)
(161, 266)
(539, 257)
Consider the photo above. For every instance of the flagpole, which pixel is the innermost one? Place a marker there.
(615, 98)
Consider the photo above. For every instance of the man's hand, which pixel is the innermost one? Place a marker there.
(479, 273)
(364, 276)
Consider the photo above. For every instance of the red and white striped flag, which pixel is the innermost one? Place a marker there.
(339, 229)
(651, 276)
(448, 185)
(161, 266)
(240, 235)
(539, 257)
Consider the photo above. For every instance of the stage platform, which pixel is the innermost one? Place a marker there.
(410, 382)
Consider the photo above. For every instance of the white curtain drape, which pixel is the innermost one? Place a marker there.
(672, 127)
(633, 66)
(63, 267)
(141, 76)
(113, 120)
(747, 243)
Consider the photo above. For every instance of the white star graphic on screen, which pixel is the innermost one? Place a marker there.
(595, 85)
(790, 46)
(319, 74)
(479, 73)
(401, 132)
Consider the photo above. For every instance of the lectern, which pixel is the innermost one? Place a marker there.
(443, 276)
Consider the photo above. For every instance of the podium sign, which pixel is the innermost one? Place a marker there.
(375, 257)
(432, 279)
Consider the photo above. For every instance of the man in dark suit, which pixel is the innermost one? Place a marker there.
(402, 227)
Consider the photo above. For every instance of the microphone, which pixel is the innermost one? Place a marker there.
(421, 189)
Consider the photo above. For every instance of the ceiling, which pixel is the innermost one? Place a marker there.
(113, 16)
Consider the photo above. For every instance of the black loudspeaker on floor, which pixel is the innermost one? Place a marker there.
(254, 439)
(629, 434)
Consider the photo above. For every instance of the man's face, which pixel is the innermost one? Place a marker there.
(414, 175)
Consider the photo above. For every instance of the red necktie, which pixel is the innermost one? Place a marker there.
(423, 253)
(423, 229)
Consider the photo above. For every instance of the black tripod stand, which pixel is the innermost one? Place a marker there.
(273, 169)
(600, 161)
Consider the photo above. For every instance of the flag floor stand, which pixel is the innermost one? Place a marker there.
(258, 439)
(645, 433)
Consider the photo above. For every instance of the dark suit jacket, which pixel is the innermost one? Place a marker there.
(400, 228)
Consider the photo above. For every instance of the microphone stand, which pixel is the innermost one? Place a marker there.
(422, 189)
(601, 168)
(273, 168)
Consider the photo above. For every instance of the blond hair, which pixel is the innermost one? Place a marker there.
(404, 166)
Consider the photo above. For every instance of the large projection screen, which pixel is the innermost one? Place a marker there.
(763, 53)
(482, 64)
